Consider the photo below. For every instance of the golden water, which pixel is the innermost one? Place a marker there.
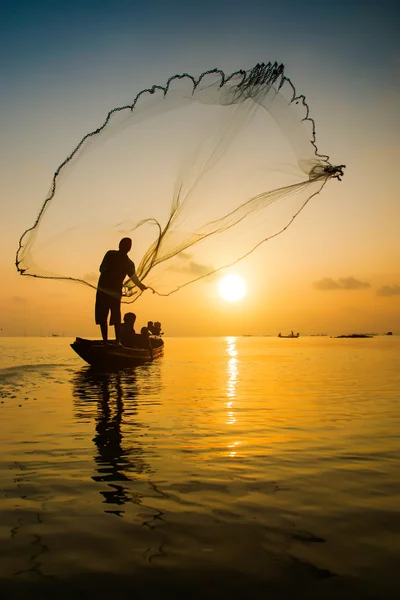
(231, 467)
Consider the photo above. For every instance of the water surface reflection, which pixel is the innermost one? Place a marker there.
(233, 373)
(121, 457)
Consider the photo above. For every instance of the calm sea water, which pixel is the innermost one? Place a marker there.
(231, 467)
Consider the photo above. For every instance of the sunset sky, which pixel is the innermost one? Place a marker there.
(336, 269)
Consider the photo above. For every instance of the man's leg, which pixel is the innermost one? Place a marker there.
(101, 313)
(117, 327)
(104, 331)
(116, 317)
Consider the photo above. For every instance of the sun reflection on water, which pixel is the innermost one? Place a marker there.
(232, 372)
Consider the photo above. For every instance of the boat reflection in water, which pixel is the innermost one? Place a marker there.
(111, 400)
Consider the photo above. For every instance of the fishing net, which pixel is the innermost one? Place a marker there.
(199, 173)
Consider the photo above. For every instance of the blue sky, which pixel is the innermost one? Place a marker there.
(51, 33)
(49, 49)
(71, 62)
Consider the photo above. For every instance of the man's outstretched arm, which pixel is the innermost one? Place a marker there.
(135, 279)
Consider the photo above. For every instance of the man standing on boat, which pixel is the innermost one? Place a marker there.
(116, 265)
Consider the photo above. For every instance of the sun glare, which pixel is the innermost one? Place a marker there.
(232, 288)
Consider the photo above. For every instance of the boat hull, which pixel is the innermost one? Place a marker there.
(289, 337)
(114, 357)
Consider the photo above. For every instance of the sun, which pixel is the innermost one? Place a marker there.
(232, 287)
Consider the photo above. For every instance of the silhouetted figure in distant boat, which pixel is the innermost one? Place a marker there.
(116, 265)
(127, 334)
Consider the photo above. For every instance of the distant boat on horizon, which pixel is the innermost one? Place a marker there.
(291, 335)
(356, 335)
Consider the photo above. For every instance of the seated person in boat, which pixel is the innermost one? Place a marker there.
(157, 328)
(154, 328)
(129, 339)
(145, 340)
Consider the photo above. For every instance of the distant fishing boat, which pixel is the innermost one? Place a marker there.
(292, 335)
(113, 356)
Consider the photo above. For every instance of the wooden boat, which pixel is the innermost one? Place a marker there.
(292, 335)
(112, 356)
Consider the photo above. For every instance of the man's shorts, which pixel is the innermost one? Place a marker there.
(105, 303)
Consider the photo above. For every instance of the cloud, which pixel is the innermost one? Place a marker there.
(326, 284)
(192, 267)
(19, 300)
(350, 283)
(343, 283)
(389, 290)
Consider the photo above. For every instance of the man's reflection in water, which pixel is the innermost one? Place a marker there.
(108, 398)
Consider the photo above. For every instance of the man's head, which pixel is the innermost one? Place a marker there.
(125, 245)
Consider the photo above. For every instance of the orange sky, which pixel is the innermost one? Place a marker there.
(336, 270)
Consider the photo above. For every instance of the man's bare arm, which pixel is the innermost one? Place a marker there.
(134, 278)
